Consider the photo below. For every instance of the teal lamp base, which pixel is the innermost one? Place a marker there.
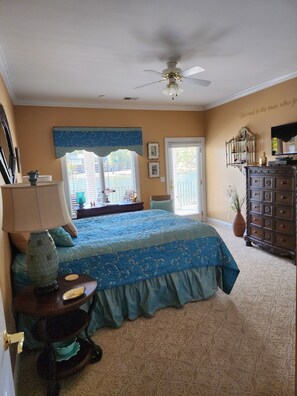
(42, 262)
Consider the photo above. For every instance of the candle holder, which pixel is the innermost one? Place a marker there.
(80, 199)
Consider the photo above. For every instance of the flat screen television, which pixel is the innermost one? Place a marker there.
(284, 139)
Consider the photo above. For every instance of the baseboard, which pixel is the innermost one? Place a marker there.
(217, 222)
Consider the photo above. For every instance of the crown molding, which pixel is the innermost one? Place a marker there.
(250, 91)
(4, 71)
(128, 106)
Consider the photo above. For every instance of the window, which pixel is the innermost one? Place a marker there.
(109, 179)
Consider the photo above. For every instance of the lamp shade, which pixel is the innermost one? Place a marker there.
(172, 89)
(37, 208)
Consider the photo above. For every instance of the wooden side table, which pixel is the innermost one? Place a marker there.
(59, 320)
(109, 209)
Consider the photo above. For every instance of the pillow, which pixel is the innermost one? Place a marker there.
(165, 205)
(20, 240)
(71, 229)
(61, 237)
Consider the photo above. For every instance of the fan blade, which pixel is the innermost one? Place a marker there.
(144, 85)
(192, 70)
(203, 83)
(153, 71)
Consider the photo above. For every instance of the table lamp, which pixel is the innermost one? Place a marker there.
(36, 209)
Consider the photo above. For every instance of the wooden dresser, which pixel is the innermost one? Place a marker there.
(271, 208)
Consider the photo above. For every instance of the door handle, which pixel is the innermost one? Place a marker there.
(9, 339)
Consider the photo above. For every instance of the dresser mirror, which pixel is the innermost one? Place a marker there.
(7, 154)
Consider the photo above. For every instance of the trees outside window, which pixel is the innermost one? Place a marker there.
(97, 176)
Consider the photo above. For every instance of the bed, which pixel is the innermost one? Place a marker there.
(142, 261)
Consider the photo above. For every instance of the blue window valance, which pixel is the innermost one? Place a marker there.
(101, 141)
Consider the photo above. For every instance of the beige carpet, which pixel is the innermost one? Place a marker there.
(241, 344)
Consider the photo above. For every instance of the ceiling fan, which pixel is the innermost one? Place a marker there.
(173, 74)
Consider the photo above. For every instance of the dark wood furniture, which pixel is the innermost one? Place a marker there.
(91, 211)
(271, 208)
(59, 320)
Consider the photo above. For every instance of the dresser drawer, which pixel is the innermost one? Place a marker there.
(285, 212)
(284, 197)
(284, 183)
(267, 182)
(267, 196)
(256, 232)
(285, 241)
(255, 219)
(267, 236)
(255, 207)
(267, 223)
(284, 226)
(256, 195)
(256, 182)
(267, 210)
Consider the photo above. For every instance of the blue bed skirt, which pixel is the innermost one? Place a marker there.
(142, 262)
(143, 298)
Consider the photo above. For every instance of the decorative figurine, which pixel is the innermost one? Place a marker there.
(263, 160)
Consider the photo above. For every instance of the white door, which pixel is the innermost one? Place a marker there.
(185, 175)
(6, 378)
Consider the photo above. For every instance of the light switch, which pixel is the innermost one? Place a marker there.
(162, 179)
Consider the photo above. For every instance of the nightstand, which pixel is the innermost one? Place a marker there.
(61, 320)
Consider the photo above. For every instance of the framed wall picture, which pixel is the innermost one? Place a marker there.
(154, 169)
(153, 150)
(18, 159)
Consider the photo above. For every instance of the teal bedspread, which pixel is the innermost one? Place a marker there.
(130, 247)
(142, 261)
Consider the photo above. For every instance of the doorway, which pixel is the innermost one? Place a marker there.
(185, 170)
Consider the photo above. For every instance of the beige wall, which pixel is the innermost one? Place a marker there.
(273, 106)
(5, 254)
(34, 126)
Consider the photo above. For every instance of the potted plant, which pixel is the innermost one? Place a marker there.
(236, 204)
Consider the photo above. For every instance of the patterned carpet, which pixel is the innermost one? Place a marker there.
(241, 344)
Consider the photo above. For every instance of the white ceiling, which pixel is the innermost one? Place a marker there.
(69, 52)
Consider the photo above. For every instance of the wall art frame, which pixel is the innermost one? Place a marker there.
(153, 150)
(18, 159)
(154, 169)
(7, 153)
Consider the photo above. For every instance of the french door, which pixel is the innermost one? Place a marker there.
(185, 170)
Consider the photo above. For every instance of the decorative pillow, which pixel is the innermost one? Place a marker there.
(61, 237)
(165, 205)
(20, 240)
(71, 229)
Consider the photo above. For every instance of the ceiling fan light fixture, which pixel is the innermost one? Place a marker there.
(172, 89)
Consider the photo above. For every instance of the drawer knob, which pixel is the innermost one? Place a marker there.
(282, 211)
(282, 226)
(283, 182)
(282, 240)
(283, 197)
